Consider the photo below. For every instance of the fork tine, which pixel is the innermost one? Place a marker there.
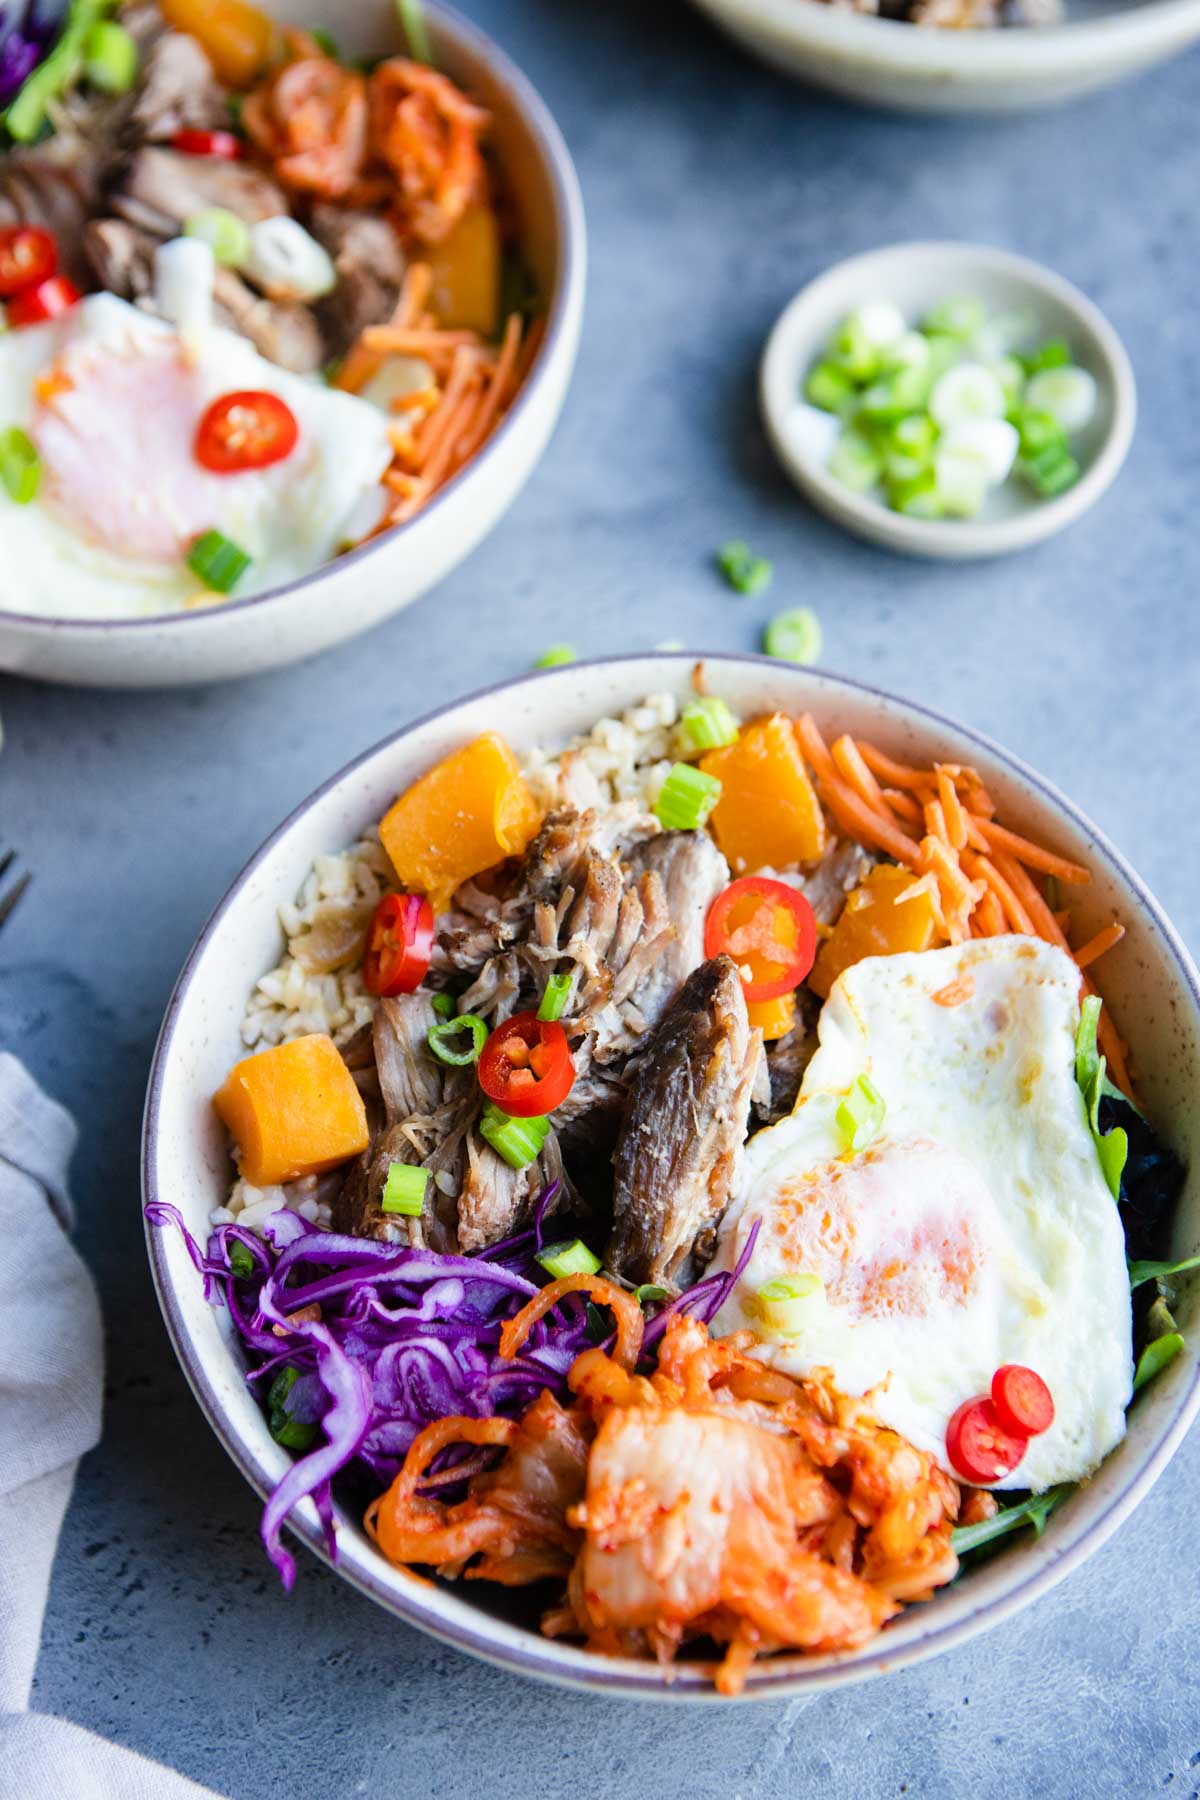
(9, 901)
(6, 862)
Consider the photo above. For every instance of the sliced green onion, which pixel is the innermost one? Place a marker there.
(1067, 394)
(908, 448)
(970, 391)
(649, 1291)
(1155, 1357)
(909, 351)
(1055, 353)
(855, 462)
(918, 498)
(556, 657)
(787, 1306)
(571, 1257)
(443, 1004)
(1037, 431)
(852, 351)
(961, 316)
(1051, 471)
(961, 479)
(26, 114)
(293, 1434)
(440, 1039)
(892, 396)
(20, 465)
(944, 352)
(686, 798)
(404, 1190)
(218, 561)
(794, 636)
(416, 32)
(554, 998)
(518, 1141)
(860, 1115)
(747, 573)
(1011, 376)
(110, 57)
(325, 42)
(1140, 1272)
(828, 387)
(241, 1263)
(226, 234)
(1033, 1511)
(708, 724)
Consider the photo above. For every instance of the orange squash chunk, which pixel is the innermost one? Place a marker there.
(774, 1018)
(293, 1110)
(466, 814)
(466, 273)
(236, 37)
(768, 814)
(871, 924)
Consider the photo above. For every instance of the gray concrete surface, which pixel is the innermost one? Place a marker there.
(713, 190)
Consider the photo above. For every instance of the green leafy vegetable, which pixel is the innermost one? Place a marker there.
(1034, 1510)
(1090, 1075)
(293, 1434)
(1154, 1358)
(1140, 1272)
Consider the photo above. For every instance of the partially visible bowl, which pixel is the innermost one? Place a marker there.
(367, 585)
(920, 69)
(1149, 979)
(915, 277)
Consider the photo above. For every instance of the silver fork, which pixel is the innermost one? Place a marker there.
(9, 901)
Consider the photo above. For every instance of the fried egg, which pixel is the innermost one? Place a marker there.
(975, 1230)
(111, 398)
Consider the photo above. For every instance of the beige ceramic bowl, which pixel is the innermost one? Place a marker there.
(1149, 980)
(358, 590)
(885, 63)
(915, 277)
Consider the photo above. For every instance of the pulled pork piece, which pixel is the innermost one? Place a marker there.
(496, 1200)
(173, 186)
(176, 90)
(684, 1127)
(370, 268)
(40, 187)
(713, 1499)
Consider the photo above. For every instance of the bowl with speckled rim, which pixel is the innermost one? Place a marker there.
(1149, 980)
(884, 62)
(369, 584)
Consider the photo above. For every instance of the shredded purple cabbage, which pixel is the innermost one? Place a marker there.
(404, 1337)
(26, 37)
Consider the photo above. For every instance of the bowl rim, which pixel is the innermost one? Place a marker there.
(513, 1647)
(948, 538)
(569, 232)
(1048, 49)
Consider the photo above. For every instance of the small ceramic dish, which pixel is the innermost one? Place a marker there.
(369, 584)
(885, 62)
(1149, 980)
(916, 277)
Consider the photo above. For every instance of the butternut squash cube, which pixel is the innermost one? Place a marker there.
(293, 1110)
(768, 814)
(774, 1018)
(871, 924)
(466, 274)
(463, 816)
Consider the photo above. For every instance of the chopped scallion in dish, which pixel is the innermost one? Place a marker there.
(686, 798)
(404, 1190)
(20, 465)
(568, 1258)
(555, 998)
(218, 561)
(708, 723)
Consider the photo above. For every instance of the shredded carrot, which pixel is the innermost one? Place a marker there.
(955, 992)
(854, 770)
(501, 376)
(1032, 855)
(815, 747)
(1096, 946)
(388, 340)
(935, 820)
(955, 817)
(905, 806)
(896, 774)
(1043, 922)
(990, 916)
(1013, 911)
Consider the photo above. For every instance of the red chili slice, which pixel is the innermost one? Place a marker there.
(223, 144)
(27, 255)
(979, 1447)
(399, 945)
(1021, 1400)
(769, 931)
(49, 299)
(526, 1066)
(245, 430)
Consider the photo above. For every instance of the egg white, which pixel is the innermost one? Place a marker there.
(290, 518)
(976, 1230)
